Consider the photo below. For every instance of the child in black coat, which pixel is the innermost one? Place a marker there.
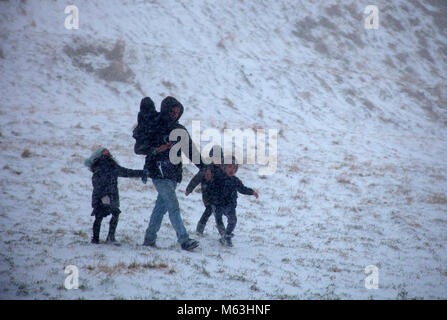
(205, 178)
(105, 197)
(224, 198)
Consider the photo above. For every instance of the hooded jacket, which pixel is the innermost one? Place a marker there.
(204, 184)
(224, 189)
(158, 164)
(105, 182)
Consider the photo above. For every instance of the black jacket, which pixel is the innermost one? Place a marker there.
(204, 184)
(105, 181)
(224, 189)
(158, 163)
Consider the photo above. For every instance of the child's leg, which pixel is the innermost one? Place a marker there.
(96, 229)
(204, 219)
(112, 227)
(230, 213)
(219, 223)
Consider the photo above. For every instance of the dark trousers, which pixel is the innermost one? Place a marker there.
(112, 226)
(204, 218)
(230, 213)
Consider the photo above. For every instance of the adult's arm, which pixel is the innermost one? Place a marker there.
(145, 148)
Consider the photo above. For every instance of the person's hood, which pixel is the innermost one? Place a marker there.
(147, 105)
(95, 156)
(103, 160)
(98, 157)
(166, 105)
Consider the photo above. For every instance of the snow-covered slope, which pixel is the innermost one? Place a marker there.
(362, 122)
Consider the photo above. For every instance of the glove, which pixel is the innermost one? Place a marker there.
(105, 200)
(144, 177)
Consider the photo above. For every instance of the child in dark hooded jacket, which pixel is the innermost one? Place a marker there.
(224, 190)
(105, 196)
(205, 178)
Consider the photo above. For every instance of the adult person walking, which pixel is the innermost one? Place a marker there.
(165, 175)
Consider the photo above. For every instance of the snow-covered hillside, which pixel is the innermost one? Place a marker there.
(362, 122)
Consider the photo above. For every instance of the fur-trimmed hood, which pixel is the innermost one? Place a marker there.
(95, 156)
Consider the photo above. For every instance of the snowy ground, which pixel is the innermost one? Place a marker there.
(362, 123)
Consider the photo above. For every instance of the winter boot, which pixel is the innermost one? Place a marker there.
(148, 243)
(190, 244)
(225, 240)
(200, 228)
(111, 240)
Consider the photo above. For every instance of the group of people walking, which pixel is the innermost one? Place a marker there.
(218, 182)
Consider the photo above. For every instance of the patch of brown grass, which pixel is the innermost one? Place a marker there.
(81, 234)
(294, 168)
(438, 177)
(437, 198)
(6, 167)
(68, 170)
(169, 85)
(26, 154)
(229, 103)
(343, 180)
(334, 269)
(123, 268)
